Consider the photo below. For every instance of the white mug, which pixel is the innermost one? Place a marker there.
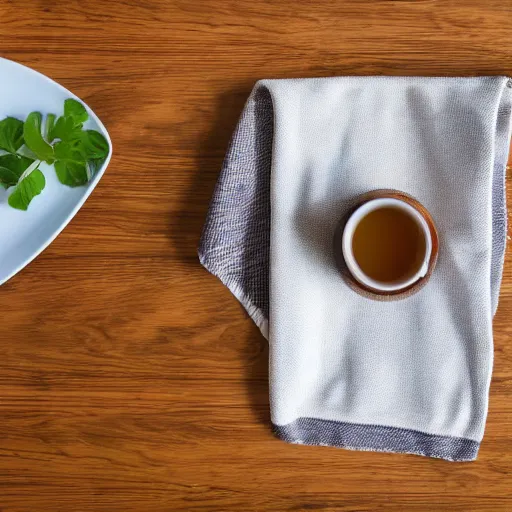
(347, 246)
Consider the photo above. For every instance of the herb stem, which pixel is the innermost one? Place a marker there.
(48, 127)
(32, 167)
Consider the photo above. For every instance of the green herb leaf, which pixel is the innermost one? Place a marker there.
(11, 134)
(50, 122)
(72, 174)
(7, 177)
(11, 168)
(28, 188)
(65, 129)
(75, 110)
(92, 145)
(34, 139)
(69, 126)
(70, 165)
(68, 151)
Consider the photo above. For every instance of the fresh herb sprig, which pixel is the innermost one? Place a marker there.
(74, 152)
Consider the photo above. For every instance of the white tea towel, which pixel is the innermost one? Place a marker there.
(408, 376)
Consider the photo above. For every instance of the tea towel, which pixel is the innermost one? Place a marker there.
(409, 376)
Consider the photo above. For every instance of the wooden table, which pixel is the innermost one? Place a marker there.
(130, 378)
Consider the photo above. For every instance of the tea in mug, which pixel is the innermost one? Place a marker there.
(388, 245)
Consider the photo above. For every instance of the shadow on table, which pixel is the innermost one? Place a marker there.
(186, 230)
(186, 227)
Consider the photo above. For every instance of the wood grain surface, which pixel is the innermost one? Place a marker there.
(130, 378)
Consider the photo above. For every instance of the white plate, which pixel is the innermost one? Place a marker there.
(24, 234)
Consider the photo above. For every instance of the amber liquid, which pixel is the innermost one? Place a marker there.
(388, 245)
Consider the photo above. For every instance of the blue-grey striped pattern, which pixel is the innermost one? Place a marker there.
(314, 431)
(236, 238)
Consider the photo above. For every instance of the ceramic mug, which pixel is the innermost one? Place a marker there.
(416, 273)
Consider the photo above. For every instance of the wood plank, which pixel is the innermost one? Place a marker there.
(130, 379)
